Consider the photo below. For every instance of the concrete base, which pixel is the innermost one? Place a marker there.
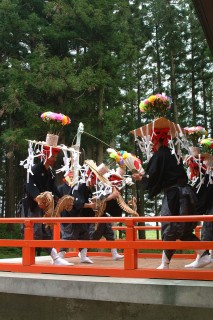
(25, 307)
(63, 297)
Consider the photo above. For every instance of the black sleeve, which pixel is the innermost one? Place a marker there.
(55, 191)
(31, 187)
(152, 181)
(80, 196)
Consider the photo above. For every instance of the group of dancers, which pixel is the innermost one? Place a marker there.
(165, 173)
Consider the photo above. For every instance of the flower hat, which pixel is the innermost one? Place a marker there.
(55, 122)
(149, 134)
(43, 149)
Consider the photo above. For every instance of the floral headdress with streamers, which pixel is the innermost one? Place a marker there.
(170, 132)
(157, 106)
(44, 149)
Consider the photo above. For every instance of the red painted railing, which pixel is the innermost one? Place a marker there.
(133, 248)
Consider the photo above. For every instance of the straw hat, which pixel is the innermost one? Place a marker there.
(159, 123)
(99, 171)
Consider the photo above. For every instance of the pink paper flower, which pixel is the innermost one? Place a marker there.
(55, 121)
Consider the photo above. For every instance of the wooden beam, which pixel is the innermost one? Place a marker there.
(204, 10)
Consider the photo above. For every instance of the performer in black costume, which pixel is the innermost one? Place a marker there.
(81, 207)
(105, 229)
(164, 174)
(207, 229)
(43, 179)
(204, 206)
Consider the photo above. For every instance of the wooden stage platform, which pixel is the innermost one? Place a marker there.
(106, 261)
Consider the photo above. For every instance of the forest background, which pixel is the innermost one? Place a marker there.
(95, 61)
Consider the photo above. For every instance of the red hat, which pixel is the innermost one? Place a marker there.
(48, 150)
(115, 177)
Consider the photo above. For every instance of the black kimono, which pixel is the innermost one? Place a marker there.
(42, 180)
(165, 175)
(105, 229)
(81, 194)
(205, 206)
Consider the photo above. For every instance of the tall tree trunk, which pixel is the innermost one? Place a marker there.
(204, 98)
(173, 84)
(172, 60)
(193, 82)
(100, 126)
(159, 84)
(10, 189)
(211, 114)
(193, 98)
(10, 185)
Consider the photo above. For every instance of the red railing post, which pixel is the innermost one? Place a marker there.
(57, 233)
(130, 255)
(28, 253)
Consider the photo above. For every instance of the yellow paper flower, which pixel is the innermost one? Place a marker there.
(152, 98)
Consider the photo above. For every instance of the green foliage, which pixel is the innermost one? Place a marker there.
(10, 252)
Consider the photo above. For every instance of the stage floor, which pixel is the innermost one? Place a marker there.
(106, 261)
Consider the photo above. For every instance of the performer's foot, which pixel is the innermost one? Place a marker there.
(83, 257)
(211, 255)
(199, 262)
(62, 262)
(58, 260)
(62, 254)
(164, 265)
(115, 255)
(165, 262)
